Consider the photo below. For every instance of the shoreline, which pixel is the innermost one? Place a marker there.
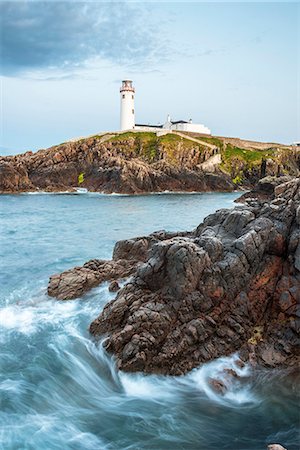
(166, 192)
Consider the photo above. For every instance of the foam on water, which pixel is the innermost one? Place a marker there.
(237, 392)
(146, 387)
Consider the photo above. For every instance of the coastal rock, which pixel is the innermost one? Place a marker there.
(75, 282)
(265, 189)
(218, 386)
(114, 286)
(128, 254)
(143, 162)
(230, 285)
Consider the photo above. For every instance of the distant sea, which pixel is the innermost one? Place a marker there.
(60, 390)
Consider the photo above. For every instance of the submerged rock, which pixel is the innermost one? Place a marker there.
(217, 385)
(231, 285)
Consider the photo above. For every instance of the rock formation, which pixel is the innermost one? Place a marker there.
(75, 282)
(142, 162)
(264, 190)
(233, 284)
(127, 256)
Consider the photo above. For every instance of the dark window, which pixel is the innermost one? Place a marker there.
(133, 111)
(123, 96)
(132, 97)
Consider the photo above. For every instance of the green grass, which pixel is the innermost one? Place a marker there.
(130, 134)
(146, 144)
(247, 155)
(97, 136)
(148, 135)
(174, 138)
(170, 138)
(212, 140)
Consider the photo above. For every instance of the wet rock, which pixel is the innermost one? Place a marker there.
(218, 386)
(114, 286)
(72, 283)
(75, 282)
(232, 373)
(240, 363)
(231, 285)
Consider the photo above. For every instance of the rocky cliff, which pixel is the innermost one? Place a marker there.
(143, 162)
(233, 284)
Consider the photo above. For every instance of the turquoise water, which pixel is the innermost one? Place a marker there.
(60, 390)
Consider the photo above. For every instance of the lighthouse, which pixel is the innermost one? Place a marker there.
(127, 91)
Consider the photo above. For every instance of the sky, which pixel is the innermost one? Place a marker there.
(233, 66)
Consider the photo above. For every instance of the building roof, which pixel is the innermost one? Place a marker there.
(147, 125)
(178, 121)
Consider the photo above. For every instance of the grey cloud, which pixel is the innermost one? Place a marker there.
(40, 35)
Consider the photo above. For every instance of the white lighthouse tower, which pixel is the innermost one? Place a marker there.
(127, 105)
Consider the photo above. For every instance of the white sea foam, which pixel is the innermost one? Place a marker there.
(19, 319)
(237, 392)
(145, 386)
(14, 386)
(28, 316)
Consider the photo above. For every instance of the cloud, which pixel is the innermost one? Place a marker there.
(67, 35)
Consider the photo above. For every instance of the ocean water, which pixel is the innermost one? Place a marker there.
(60, 390)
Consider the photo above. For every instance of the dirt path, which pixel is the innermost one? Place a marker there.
(199, 141)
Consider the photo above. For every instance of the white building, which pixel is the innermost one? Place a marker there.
(183, 125)
(127, 121)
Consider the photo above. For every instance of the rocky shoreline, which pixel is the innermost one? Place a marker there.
(231, 285)
(133, 163)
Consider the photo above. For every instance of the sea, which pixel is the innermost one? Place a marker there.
(59, 388)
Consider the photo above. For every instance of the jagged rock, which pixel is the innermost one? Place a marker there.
(231, 285)
(127, 256)
(131, 249)
(75, 282)
(114, 286)
(264, 189)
